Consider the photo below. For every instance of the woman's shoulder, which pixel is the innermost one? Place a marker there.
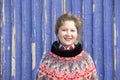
(86, 56)
(45, 56)
(86, 53)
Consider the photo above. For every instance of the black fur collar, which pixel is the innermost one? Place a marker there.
(66, 53)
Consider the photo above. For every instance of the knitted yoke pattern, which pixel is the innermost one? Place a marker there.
(55, 66)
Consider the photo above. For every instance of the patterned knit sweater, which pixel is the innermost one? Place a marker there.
(73, 64)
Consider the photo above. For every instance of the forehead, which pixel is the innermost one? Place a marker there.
(69, 22)
(68, 25)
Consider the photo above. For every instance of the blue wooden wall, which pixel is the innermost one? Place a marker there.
(27, 32)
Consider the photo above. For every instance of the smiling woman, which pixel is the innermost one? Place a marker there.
(67, 60)
(67, 34)
(27, 32)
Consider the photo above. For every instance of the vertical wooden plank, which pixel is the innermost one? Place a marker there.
(43, 28)
(108, 41)
(36, 35)
(38, 30)
(16, 40)
(68, 7)
(26, 40)
(98, 37)
(117, 22)
(57, 7)
(18, 9)
(6, 40)
(33, 38)
(88, 26)
(0, 39)
(46, 25)
(13, 41)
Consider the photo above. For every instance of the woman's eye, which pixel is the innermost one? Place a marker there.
(72, 30)
(63, 29)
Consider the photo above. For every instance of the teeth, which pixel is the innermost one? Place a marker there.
(68, 39)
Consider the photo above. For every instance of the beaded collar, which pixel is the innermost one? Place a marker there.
(66, 53)
(67, 48)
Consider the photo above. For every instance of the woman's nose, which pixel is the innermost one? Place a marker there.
(68, 32)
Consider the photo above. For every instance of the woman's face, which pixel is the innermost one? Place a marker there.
(67, 33)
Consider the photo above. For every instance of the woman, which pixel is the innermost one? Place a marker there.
(67, 60)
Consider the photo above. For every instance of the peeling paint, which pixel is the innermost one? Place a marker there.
(93, 8)
(9, 48)
(13, 46)
(114, 45)
(33, 55)
(3, 11)
(44, 27)
(63, 7)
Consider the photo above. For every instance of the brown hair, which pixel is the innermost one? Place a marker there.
(65, 17)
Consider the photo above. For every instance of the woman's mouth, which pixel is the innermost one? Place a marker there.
(68, 39)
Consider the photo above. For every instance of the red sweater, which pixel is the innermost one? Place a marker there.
(56, 67)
